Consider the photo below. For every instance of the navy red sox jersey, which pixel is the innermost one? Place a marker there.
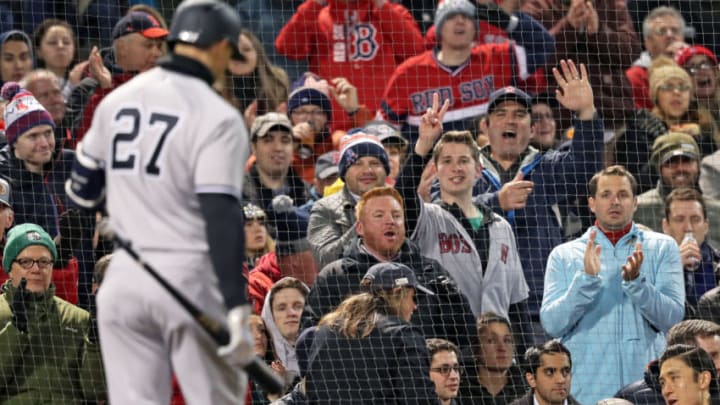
(410, 90)
(442, 237)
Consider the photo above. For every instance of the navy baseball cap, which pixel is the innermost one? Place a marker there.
(389, 275)
(509, 93)
(139, 22)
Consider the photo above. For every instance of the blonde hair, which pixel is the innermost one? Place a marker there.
(357, 315)
(661, 70)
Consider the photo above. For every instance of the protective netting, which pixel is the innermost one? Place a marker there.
(477, 124)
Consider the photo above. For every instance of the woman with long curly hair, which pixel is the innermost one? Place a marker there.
(366, 351)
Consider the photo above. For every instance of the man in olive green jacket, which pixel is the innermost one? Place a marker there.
(48, 347)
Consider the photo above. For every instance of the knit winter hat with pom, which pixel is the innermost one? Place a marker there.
(22, 112)
(360, 145)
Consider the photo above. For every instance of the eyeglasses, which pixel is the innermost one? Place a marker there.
(27, 263)
(314, 113)
(692, 69)
(445, 370)
(667, 31)
(682, 88)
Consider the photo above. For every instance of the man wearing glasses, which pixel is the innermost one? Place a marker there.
(702, 66)
(445, 369)
(663, 30)
(48, 353)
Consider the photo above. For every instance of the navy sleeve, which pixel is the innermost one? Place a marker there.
(226, 238)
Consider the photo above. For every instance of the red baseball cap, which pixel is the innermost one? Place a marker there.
(685, 54)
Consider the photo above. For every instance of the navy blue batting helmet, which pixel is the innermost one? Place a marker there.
(203, 23)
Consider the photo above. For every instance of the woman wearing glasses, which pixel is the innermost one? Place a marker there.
(366, 351)
(671, 91)
(44, 346)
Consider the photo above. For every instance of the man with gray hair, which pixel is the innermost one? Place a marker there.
(663, 27)
(45, 86)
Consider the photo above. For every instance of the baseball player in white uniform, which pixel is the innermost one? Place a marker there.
(166, 153)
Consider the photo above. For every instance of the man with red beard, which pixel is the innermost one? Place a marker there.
(380, 230)
(363, 165)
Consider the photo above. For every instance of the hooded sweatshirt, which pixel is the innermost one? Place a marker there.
(284, 350)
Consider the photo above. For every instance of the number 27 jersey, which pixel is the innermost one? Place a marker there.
(164, 137)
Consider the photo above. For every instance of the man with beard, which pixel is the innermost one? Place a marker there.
(676, 157)
(363, 165)
(380, 230)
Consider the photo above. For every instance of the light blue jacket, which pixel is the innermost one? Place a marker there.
(612, 328)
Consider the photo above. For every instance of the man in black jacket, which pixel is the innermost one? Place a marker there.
(696, 332)
(381, 230)
(547, 372)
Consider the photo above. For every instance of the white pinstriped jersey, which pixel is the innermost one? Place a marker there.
(442, 237)
(164, 137)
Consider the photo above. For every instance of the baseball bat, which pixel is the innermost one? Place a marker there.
(257, 370)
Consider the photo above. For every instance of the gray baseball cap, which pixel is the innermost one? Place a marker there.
(384, 131)
(264, 123)
(5, 193)
(389, 275)
(327, 165)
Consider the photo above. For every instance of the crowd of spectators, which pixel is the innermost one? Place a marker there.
(432, 193)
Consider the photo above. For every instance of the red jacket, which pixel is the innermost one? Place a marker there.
(492, 34)
(95, 99)
(261, 278)
(638, 77)
(354, 40)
